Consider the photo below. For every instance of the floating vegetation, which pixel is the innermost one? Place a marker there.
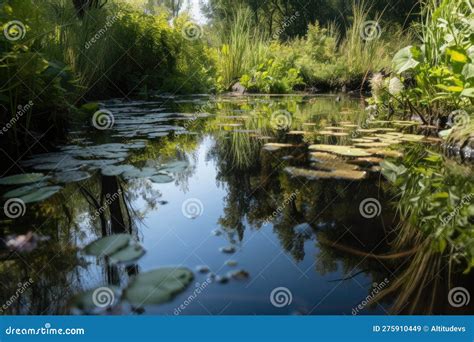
(26, 178)
(347, 151)
(120, 248)
(353, 175)
(158, 286)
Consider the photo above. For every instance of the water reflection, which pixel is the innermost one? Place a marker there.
(307, 235)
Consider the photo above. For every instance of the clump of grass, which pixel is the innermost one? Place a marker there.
(242, 47)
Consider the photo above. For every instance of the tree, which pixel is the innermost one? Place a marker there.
(83, 5)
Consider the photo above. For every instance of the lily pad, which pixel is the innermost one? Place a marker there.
(26, 178)
(175, 167)
(276, 146)
(40, 194)
(337, 174)
(158, 286)
(71, 176)
(24, 190)
(128, 254)
(108, 245)
(162, 179)
(347, 151)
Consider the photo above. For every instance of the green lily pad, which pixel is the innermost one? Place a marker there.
(175, 167)
(26, 178)
(117, 170)
(162, 179)
(40, 194)
(108, 245)
(71, 176)
(158, 286)
(24, 190)
(352, 175)
(128, 254)
(347, 151)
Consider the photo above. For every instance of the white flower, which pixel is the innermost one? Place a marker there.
(395, 86)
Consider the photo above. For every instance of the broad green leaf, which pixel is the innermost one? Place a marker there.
(158, 286)
(468, 71)
(404, 60)
(108, 245)
(468, 92)
(26, 178)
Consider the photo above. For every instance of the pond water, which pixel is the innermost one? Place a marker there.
(224, 187)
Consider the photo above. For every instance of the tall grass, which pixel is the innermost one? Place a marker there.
(242, 47)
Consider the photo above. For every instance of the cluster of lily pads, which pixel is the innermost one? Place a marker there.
(77, 163)
(146, 119)
(153, 287)
(355, 161)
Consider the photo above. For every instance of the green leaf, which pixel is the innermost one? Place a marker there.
(108, 245)
(468, 92)
(404, 60)
(26, 178)
(468, 71)
(158, 286)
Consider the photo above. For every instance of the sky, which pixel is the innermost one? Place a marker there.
(196, 11)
